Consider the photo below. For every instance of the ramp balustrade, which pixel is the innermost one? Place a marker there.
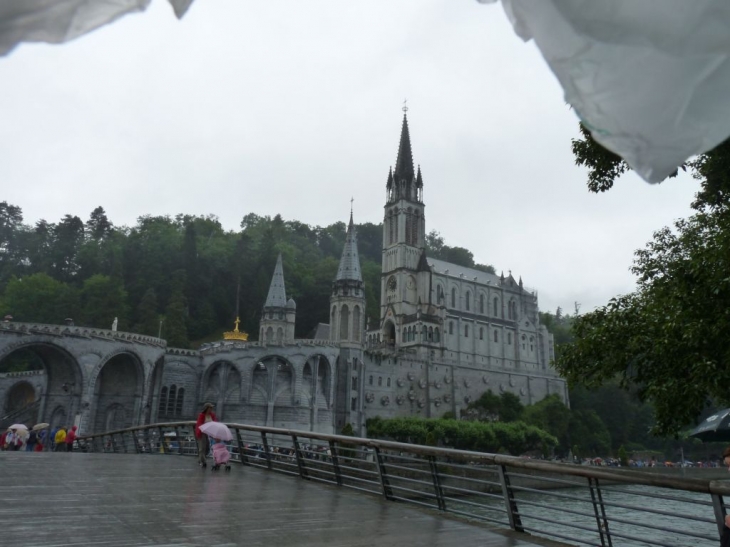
(578, 504)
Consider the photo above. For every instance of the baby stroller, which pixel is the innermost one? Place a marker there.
(221, 456)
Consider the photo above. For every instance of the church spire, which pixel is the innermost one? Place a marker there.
(404, 163)
(277, 294)
(350, 262)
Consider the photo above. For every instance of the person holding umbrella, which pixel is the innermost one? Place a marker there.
(207, 415)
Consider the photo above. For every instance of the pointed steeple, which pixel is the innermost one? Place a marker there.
(419, 178)
(404, 163)
(277, 294)
(389, 184)
(350, 262)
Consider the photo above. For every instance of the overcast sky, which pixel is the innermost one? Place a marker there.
(294, 107)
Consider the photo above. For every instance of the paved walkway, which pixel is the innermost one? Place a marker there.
(49, 499)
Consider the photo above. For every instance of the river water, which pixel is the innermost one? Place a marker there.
(629, 509)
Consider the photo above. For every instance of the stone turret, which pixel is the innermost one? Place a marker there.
(279, 314)
(347, 303)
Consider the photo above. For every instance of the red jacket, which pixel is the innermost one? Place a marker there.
(71, 435)
(201, 421)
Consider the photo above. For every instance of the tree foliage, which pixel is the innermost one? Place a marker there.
(514, 438)
(668, 339)
(185, 270)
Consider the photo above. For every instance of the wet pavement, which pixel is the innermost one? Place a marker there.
(50, 499)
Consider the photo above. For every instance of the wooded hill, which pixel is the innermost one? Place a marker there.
(180, 271)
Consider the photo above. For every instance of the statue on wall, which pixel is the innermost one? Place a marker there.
(114, 324)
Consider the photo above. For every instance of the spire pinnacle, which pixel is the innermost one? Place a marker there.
(390, 178)
(350, 262)
(404, 163)
(277, 293)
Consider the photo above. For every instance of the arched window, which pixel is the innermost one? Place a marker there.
(356, 323)
(481, 333)
(344, 322)
(467, 297)
(481, 303)
(451, 327)
(370, 380)
(424, 334)
(439, 294)
(496, 336)
(162, 409)
(430, 334)
(380, 380)
(453, 297)
(509, 338)
(180, 401)
(405, 334)
(388, 382)
(269, 335)
(171, 400)
(496, 307)
(436, 335)
(466, 331)
(279, 335)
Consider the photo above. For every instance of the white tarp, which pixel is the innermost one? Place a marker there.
(57, 21)
(649, 78)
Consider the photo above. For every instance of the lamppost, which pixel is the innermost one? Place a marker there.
(159, 331)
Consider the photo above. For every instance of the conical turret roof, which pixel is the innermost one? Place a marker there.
(350, 262)
(277, 294)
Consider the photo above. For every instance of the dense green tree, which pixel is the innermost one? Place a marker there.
(38, 298)
(667, 339)
(102, 299)
(148, 317)
(68, 238)
(551, 415)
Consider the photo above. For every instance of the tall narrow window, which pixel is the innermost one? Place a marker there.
(481, 333)
(171, 400)
(391, 226)
(496, 307)
(466, 331)
(162, 410)
(414, 228)
(481, 303)
(344, 322)
(436, 335)
(467, 297)
(451, 327)
(496, 336)
(453, 297)
(356, 323)
(180, 401)
(380, 380)
(409, 222)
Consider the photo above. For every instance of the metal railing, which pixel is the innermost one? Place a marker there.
(577, 504)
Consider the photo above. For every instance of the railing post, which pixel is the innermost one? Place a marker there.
(147, 440)
(601, 520)
(515, 522)
(719, 509)
(387, 490)
(437, 483)
(136, 442)
(124, 445)
(241, 453)
(114, 445)
(162, 440)
(335, 463)
(267, 452)
(300, 460)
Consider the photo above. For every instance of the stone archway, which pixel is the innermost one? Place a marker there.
(118, 393)
(223, 388)
(389, 333)
(51, 372)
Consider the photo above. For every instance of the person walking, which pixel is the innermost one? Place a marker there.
(60, 439)
(31, 442)
(207, 415)
(70, 438)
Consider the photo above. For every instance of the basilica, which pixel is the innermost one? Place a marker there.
(445, 335)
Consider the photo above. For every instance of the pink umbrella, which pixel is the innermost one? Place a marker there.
(217, 430)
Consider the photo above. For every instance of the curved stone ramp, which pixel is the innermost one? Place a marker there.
(52, 499)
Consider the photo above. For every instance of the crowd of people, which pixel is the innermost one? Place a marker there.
(39, 438)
